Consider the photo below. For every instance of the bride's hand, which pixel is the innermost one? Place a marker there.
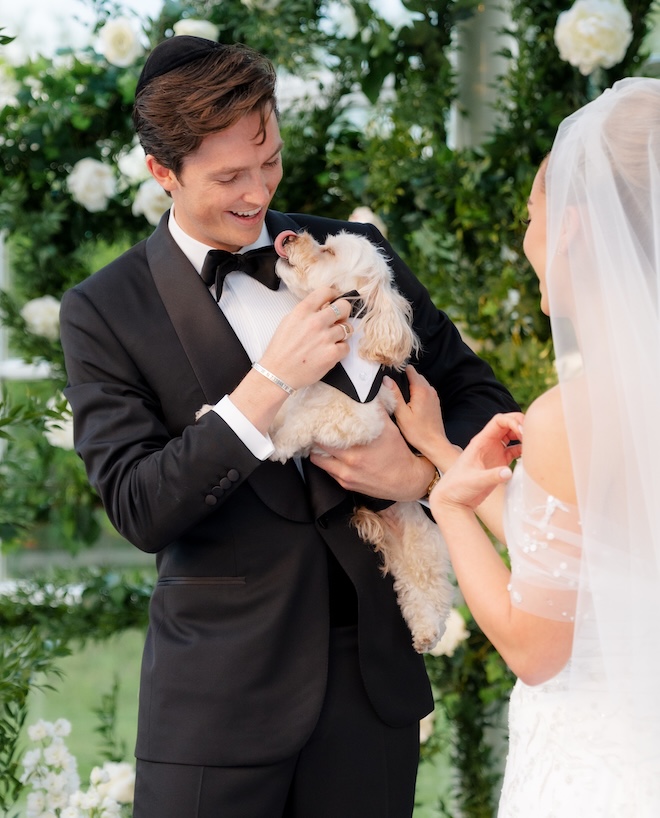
(420, 420)
(481, 467)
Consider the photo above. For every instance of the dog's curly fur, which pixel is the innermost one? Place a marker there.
(409, 543)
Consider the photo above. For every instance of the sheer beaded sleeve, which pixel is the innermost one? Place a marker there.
(544, 542)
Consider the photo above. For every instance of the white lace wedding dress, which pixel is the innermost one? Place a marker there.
(566, 758)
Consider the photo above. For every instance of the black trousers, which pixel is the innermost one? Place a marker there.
(353, 766)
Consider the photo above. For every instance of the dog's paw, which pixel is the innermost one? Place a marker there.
(205, 408)
(425, 639)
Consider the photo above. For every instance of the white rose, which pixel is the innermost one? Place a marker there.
(42, 316)
(197, 28)
(119, 42)
(454, 634)
(593, 34)
(132, 165)
(426, 727)
(151, 201)
(120, 785)
(59, 432)
(92, 184)
(365, 215)
(340, 20)
(395, 13)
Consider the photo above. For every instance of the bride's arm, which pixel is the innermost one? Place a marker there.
(534, 647)
(421, 424)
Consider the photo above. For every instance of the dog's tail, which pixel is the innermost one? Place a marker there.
(371, 529)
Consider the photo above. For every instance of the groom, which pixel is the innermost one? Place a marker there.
(278, 676)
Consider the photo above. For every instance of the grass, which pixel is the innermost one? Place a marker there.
(89, 675)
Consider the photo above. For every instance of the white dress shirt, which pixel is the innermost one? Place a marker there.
(254, 313)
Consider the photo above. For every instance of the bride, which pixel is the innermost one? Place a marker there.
(578, 616)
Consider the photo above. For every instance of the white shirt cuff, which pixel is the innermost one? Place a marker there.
(259, 445)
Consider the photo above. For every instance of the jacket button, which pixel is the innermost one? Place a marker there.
(323, 521)
(217, 491)
(225, 483)
(233, 475)
(210, 500)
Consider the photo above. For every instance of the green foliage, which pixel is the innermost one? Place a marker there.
(40, 621)
(25, 654)
(42, 485)
(471, 689)
(90, 604)
(113, 748)
(454, 214)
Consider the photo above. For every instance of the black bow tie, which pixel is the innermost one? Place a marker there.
(259, 264)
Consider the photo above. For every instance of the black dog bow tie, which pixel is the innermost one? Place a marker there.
(259, 264)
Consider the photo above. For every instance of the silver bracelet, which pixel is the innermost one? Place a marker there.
(273, 378)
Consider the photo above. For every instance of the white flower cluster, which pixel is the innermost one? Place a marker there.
(42, 317)
(365, 215)
(92, 184)
(454, 634)
(59, 431)
(196, 28)
(51, 773)
(119, 42)
(593, 34)
(151, 201)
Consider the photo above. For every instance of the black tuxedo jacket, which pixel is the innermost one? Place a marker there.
(235, 658)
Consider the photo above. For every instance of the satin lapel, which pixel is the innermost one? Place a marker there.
(276, 222)
(215, 353)
(217, 357)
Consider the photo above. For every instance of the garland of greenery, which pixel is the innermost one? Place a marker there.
(454, 215)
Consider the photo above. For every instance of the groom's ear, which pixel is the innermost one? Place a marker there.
(164, 176)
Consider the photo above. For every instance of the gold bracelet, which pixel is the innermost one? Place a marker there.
(436, 479)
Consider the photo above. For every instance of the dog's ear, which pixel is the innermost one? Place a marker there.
(387, 325)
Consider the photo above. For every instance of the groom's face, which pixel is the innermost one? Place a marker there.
(225, 187)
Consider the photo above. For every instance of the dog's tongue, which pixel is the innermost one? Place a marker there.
(278, 244)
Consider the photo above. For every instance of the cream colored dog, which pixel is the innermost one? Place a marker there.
(410, 544)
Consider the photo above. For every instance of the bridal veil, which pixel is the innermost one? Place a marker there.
(603, 279)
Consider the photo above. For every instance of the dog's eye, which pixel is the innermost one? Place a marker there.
(328, 250)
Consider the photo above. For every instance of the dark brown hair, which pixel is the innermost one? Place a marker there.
(175, 111)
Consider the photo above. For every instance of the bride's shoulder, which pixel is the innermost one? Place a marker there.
(546, 453)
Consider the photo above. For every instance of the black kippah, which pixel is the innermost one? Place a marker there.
(174, 53)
